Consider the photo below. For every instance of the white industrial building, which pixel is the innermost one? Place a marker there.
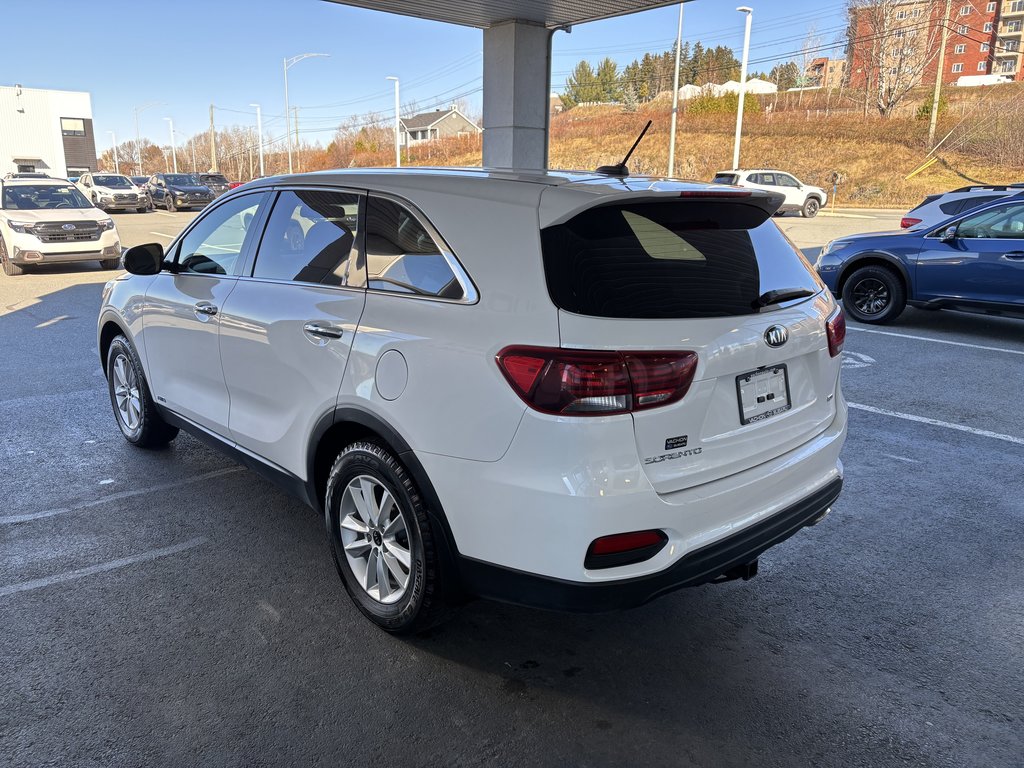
(46, 131)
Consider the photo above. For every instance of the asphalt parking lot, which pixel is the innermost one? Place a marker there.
(171, 608)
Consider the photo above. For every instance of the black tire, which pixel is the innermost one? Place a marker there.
(151, 431)
(141, 210)
(110, 263)
(422, 605)
(811, 207)
(874, 294)
(10, 268)
(169, 203)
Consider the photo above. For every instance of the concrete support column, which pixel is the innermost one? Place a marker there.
(517, 86)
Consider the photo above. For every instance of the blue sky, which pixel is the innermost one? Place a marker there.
(188, 54)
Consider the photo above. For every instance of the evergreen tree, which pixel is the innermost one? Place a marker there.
(607, 81)
(582, 86)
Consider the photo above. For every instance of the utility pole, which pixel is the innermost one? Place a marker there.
(743, 86)
(174, 149)
(398, 121)
(113, 143)
(933, 119)
(192, 143)
(298, 155)
(213, 143)
(675, 98)
(288, 63)
(259, 131)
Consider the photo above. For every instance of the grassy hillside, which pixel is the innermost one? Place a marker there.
(874, 155)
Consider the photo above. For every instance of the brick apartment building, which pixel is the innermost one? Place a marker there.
(985, 37)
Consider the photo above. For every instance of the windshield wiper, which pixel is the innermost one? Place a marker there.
(778, 295)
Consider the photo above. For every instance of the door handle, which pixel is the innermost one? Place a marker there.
(205, 308)
(324, 331)
(1013, 256)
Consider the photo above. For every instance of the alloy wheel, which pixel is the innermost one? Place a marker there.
(376, 540)
(871, 296)
(126, 393)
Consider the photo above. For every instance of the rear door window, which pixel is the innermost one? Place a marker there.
(670, 260)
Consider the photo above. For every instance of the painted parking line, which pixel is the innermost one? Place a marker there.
(937, 341)
(163, 234)
(81, 573)
(845, 215)
(164, 213)
(937, 423)
(116, 497)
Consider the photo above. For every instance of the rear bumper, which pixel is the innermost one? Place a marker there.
(700, 566)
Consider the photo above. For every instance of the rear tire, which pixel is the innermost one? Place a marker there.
(378, 524)
(874, 294)
(811, 207)
(134, 410)
(10, 268)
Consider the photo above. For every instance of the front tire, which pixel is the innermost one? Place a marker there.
(382, 540)
(874, 294)
(134, 409)
(169, 203)
(811, 207)
(10, 268)
(110, 263)
(141, 210)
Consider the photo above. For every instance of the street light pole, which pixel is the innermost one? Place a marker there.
(259, 130)
(113, 144)
(288, 64)
(174, 150)
(675, 98)
(138, 138)
(398, 129)
(743, 86)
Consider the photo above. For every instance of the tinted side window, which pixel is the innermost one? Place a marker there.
(402, 257)
(1004, 222)
(215, 243)
(309, 237)
(768, 179)
(786, 181)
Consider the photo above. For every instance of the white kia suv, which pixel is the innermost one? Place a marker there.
(47, 221)
(797, 196)
(558, 389)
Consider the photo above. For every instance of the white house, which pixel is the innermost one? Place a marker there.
(428, 126)
(46, 131)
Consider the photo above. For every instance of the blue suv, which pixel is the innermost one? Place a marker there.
(973, 262)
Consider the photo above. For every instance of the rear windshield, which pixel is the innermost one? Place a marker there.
(670, 260)
(725, 178)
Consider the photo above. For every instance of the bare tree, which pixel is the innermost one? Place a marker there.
(902, 37)
(808, 52)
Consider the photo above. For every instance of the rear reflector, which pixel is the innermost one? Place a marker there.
(590, 383)
(624, 549)
(908, 221)
(835, 327)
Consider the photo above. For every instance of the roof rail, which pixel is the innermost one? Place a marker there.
(993, 187)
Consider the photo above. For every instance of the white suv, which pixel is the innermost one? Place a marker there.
(113, 192)
(46, 221)
(797, 196)
(555, 389)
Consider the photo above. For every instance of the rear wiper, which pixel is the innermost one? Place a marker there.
(778, 295)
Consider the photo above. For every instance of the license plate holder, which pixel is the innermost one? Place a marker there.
(763, 393)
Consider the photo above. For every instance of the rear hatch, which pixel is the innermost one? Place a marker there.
(702, 273)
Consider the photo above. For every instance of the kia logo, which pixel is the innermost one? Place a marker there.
(68, 227)
(776, 336)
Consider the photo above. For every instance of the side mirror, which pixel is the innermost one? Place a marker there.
(949, 234)
(145, 259)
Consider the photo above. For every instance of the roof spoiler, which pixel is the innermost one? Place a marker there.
(992, 187)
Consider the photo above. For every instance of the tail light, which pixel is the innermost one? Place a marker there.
(908, 221)
(835, 326)
(583, 383)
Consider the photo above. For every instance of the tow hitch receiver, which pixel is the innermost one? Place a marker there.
(746, 571)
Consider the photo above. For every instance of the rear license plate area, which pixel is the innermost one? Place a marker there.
(763, 393)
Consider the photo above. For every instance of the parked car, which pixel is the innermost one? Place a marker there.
(798, 196)
(568, 390)
(142, 182)
(174, 191)
(974, 261)
(217, 182)
(113, 192)
(936, 208)
(46, 221)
